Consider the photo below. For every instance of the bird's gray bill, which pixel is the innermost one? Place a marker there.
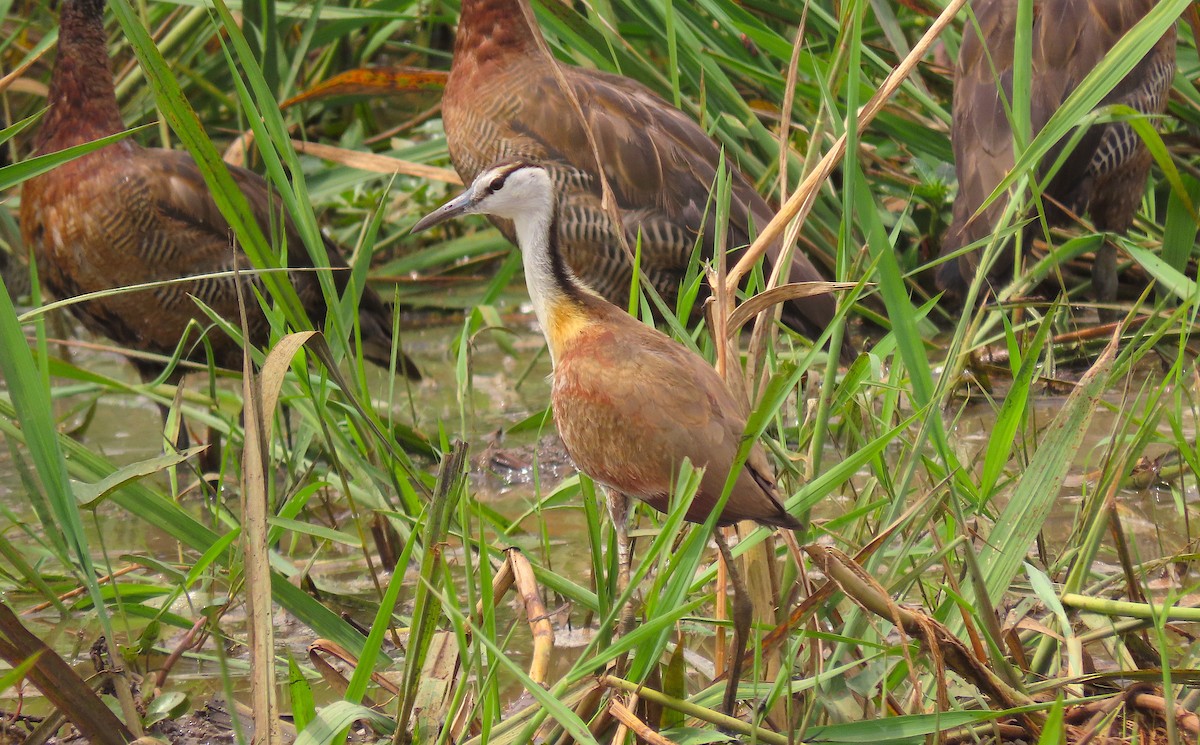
(460, 205)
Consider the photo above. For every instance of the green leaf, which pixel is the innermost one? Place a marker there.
(169, 705)
(338, 716)
(303, 707)
(14, 174)
(91, 495)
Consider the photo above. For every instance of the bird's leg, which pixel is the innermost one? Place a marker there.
(209, 462)
(618, 510)
(181, 441)
(743, 614)
(210, 459)
(1104, 279)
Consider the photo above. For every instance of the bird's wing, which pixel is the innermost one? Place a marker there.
(981, 132)
(661, 167)
(1072, 37)
(631, 404)
(196, 234)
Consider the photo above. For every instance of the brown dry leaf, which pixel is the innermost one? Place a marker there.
(59, 682)
(376, 163)
(435, 690)
(375, 81)
(780, 294)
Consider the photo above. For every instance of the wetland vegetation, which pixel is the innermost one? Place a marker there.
(999, 543)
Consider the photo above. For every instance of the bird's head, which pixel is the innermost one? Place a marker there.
(510, 189)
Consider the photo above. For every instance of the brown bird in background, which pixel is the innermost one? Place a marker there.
(126, 215)
(1105, 174)
(503, 100)
(14, 274)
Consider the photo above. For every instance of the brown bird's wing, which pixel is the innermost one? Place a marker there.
(655, 155)
(99, 223)
(126, 215)
(1106, 172)
(631, 404)
(658, 162)
(198, 239)
(981, 134)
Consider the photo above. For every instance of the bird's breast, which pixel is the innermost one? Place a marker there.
(605, 429)
(565, 326)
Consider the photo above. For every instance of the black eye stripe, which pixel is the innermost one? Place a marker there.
(498, 183)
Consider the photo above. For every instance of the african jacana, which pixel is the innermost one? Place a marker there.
(503, 100)
(126, 215)
(1105, 174)
(629, 402)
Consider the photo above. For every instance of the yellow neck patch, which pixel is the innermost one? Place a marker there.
(564, 321)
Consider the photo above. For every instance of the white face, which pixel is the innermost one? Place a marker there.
(520, 192)
(508, 193)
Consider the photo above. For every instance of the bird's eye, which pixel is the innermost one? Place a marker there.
(495, 185)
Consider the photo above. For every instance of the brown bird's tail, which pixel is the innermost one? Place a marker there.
(782, 520)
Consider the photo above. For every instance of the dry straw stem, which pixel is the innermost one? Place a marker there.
(80, 591)
(728, 723)
(375, 163)
(254, 508)
(799, 203)
(1085, 720)
(763, 329)
(235, 155)
(776, 295)
(789, 101)
(192, 639)
(1096, 719)
(319, 649)
(942, 645)
(517, 572)
(1147, 700)
(639, 728)
(30, 86)
(261, 393)
(810, 604)
(535, 613)
(1000, 356)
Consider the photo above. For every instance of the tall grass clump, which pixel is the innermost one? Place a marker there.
(1000, 498)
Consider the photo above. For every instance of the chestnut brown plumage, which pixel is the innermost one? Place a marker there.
(503, 100)
(126, 215)
(1104, 175)
(628, 430)
(630, 403)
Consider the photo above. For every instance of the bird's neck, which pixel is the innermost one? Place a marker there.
(491, 30)
(559, 299)
(83, 102)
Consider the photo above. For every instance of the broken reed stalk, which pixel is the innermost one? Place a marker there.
(802, 199)
(426, 606)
